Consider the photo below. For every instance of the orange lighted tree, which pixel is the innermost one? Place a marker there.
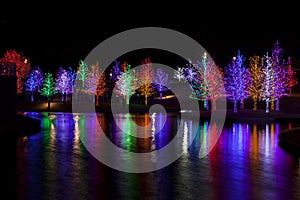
(146, 74)
(256, 73)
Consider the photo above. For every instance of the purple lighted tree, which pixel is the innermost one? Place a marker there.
(34, 82)
(237, 81)
(280, 74)
(63, 83)
(115, 71)
(161, 80)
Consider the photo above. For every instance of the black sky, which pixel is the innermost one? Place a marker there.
(55, 38)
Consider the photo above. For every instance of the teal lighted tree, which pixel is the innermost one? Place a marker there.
(83, 72)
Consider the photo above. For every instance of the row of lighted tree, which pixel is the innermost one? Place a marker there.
(265, 78)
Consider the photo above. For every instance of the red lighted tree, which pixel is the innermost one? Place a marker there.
(22, 65)
(292, 80)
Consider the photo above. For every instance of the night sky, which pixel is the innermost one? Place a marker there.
(63, 38)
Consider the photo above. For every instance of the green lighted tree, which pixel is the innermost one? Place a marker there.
(48, 89)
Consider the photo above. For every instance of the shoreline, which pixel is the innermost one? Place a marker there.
(243, 115)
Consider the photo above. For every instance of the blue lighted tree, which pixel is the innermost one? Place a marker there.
(34, 82)
(237, 81)
(72, 74)
(115, 71)
(161, 80)
(245, 78)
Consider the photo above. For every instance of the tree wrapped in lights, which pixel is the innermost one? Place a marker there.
(206, 80)
(161, 81)
(267, 88)
(21, 63)
(146, 74)
(179, 74)
(34, 82)
(215, 83)
(195, 74)
(63, 83)
(115, 71)
(280, 75)
(203, 68)
(126, 84)
(101, 87)
(48, 89)
(190, 72)
(82, 72)
(292, 80)
(95, 82)
(256, 73)
(237, 80)
(245, 78)
(72, 74)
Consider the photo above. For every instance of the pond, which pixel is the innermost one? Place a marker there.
(246, 162)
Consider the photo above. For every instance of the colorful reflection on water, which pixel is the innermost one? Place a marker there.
(246, 162)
